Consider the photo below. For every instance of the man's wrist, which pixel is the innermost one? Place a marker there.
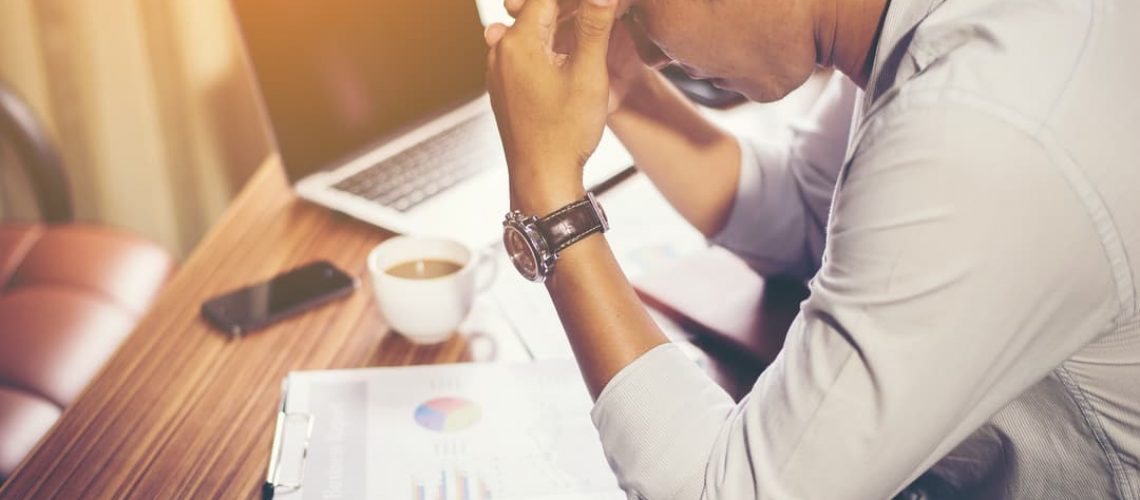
(640, 93)
(542, 200)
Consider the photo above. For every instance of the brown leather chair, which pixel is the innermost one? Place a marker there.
(69, 293)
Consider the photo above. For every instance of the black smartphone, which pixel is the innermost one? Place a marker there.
(292, 292)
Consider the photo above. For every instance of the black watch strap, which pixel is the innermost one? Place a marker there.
(571, 223)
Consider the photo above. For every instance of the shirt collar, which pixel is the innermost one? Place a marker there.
(898, 26)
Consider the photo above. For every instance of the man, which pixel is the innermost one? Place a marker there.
(969, 219)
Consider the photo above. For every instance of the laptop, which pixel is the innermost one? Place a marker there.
(379, 110)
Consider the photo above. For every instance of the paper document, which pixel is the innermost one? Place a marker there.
(442, 432)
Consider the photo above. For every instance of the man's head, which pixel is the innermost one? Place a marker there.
(761, 48)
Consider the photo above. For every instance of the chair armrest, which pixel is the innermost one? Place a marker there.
(35, 150)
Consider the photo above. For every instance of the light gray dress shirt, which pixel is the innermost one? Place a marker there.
(971, 228)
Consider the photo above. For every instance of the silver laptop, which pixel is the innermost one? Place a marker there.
(379, 110)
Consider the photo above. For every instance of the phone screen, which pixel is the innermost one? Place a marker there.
(284, 295)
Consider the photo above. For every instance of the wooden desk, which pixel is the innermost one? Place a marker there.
(182, 411)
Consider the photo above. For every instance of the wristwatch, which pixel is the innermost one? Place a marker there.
(534, 244)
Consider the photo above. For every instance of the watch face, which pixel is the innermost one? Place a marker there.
(522, 256)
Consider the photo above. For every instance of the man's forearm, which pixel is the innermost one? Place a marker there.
(694, 163)
(606, 323)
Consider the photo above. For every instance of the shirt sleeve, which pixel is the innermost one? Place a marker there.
(784, 190)
(960, 269)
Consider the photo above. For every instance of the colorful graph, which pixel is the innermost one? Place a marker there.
(447, 414)
(451, 485)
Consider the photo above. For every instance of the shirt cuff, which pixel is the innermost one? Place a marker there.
(658, 419)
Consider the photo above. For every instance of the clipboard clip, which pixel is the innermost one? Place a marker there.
(273, 481)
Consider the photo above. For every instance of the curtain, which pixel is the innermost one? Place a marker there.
(150, 103)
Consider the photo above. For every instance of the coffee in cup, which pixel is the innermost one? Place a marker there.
(425, 287)
(424, 269)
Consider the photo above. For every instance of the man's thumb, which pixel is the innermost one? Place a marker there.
(595, 20)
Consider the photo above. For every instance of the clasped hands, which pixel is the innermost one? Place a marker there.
(550, 91)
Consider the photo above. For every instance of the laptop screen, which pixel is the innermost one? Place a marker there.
(338, 75)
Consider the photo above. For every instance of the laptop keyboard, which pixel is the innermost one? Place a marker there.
(409, 178)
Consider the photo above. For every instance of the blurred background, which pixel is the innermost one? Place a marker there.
(149, 104)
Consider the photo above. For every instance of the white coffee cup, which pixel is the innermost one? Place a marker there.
(427, 310)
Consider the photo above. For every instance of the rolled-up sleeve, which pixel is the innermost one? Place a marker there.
(784, 189)
(662, 383)
(961, 269)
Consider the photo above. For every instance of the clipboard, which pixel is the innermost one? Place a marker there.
(468, 431)
(274, 482)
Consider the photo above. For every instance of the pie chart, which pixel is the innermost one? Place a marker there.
(447, 414)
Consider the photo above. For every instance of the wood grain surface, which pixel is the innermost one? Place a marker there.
(182, 411)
